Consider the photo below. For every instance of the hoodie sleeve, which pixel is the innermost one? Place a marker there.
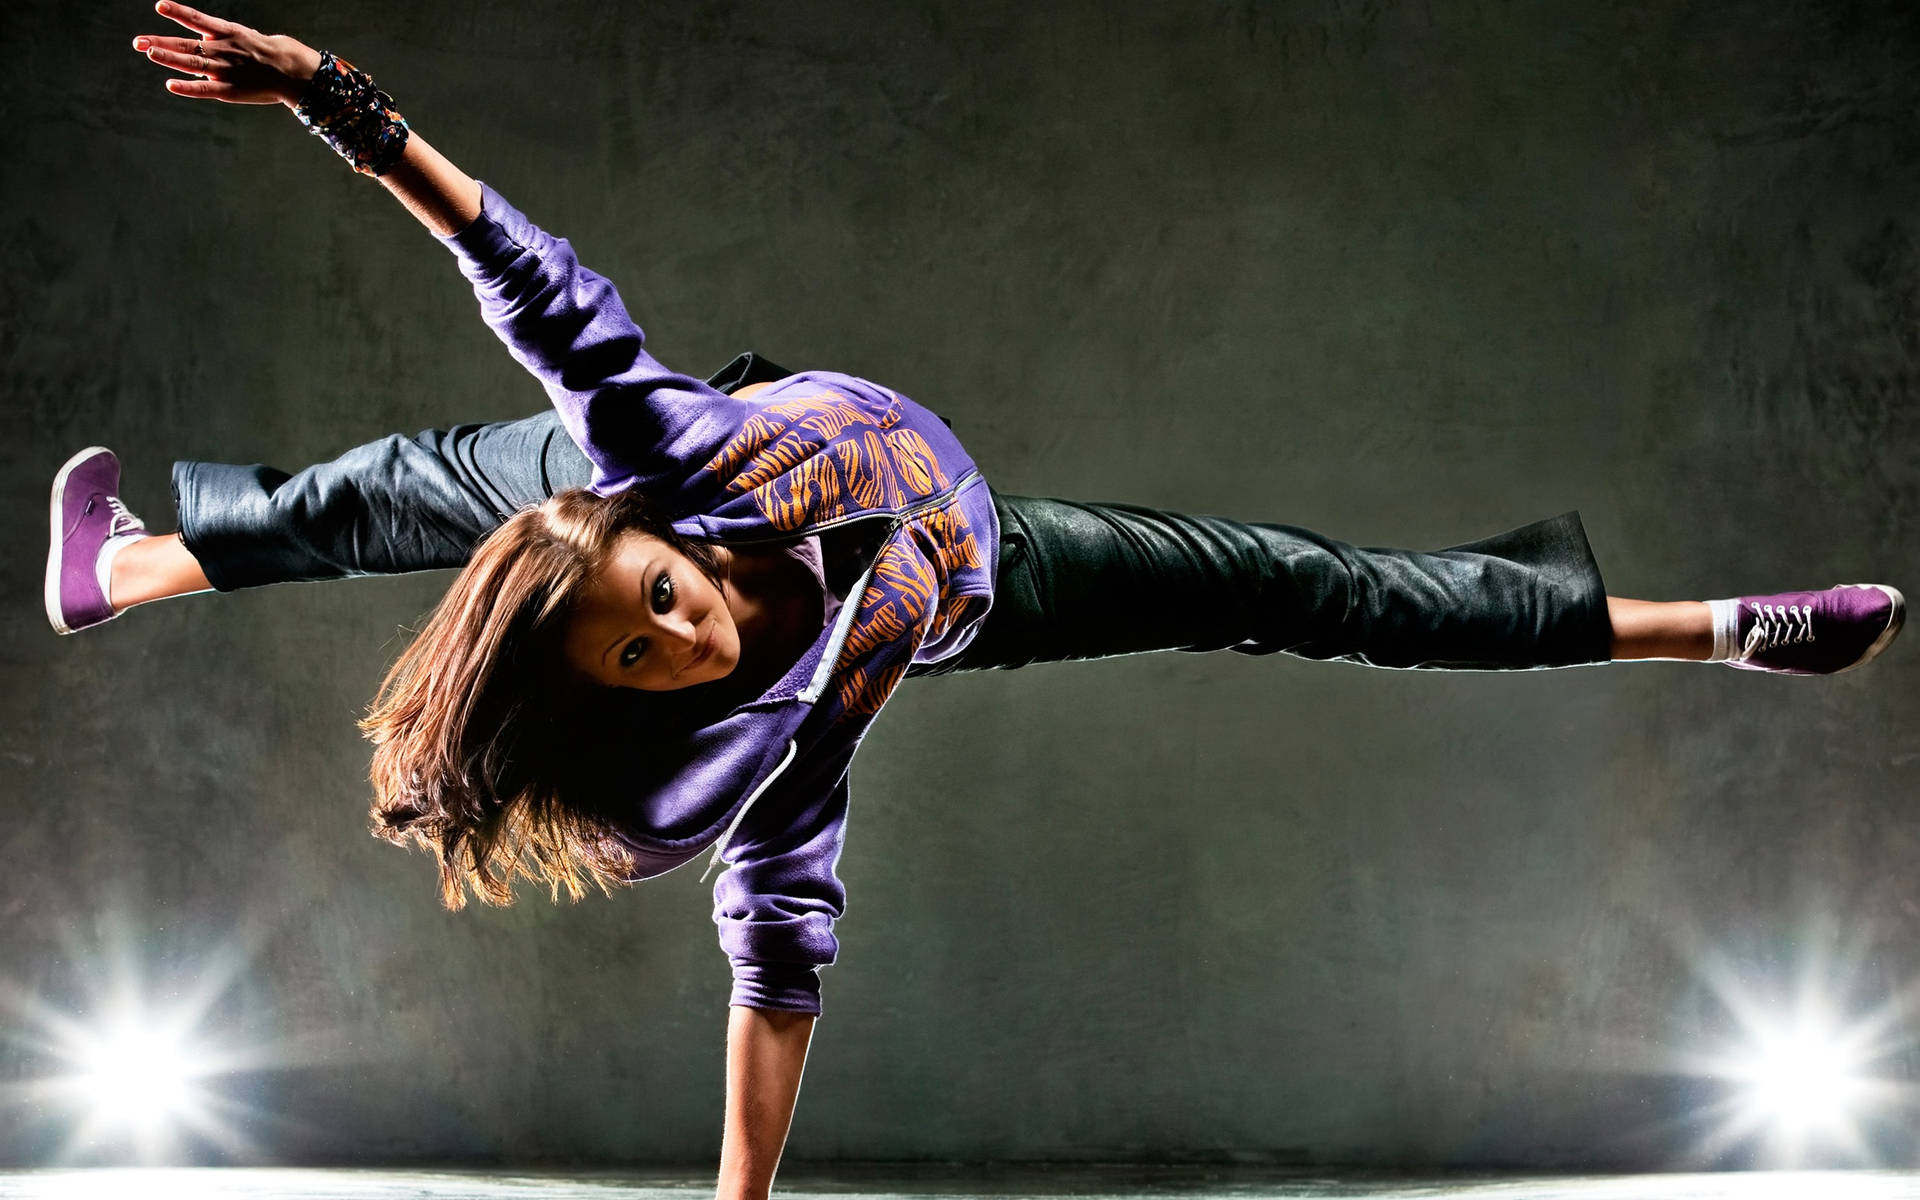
(777, 901)
(639, 424)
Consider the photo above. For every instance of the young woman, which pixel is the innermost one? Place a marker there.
(684, 602)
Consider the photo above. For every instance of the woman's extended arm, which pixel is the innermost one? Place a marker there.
(445, 198)
(766, 1050)
(239, 65)
(641, 424)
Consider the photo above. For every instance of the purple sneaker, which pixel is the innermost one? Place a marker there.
(1816, 633)
(86, 517)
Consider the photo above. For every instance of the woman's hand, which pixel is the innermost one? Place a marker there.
(244, 66)
(229, 61)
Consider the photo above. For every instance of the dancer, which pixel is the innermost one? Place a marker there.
(683, 603)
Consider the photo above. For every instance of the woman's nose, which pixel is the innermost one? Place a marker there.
(676, 628)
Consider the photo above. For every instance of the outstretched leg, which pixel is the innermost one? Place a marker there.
(393, 505)
(1081, 581)
(390, 506)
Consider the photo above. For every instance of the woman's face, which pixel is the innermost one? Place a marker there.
(651, 620)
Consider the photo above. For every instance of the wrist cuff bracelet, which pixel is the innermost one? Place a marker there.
(342, 107)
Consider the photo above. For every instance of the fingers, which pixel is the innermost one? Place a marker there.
(236, 63)
(146, 42)
(207, 89)
(176, 47)
(193, 18)
(185, 61)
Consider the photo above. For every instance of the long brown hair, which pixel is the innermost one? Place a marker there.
(480, 732)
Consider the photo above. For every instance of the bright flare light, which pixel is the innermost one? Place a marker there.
(144, 1070)
(137, 1077)
(1800, 1083)
(1806, 1058)
(1803, 1082)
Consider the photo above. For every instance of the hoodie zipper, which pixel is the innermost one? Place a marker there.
(842, 629)
(793, 748)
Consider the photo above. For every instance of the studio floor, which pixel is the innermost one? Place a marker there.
(946, 1182)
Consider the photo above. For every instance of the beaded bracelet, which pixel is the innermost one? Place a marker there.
(342, 107)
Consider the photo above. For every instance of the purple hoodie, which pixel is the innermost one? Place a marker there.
(766, 786)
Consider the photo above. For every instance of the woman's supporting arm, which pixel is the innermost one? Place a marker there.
(766, 1051)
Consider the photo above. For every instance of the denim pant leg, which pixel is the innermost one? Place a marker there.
(1083, 581)
(393, 505)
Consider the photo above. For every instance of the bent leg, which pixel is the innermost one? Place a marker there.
(392, 505)
(1083, 581)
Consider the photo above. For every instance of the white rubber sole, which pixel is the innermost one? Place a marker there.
(56, 540)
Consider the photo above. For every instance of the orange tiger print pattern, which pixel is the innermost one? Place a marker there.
(907, 603)
(825, 456)
(892, 622)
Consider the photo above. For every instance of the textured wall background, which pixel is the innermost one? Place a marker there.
(1409, 273)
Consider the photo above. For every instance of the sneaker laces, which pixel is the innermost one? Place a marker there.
(123, 519)
(1777, 625)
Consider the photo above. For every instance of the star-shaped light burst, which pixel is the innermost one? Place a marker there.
(1801, 1082)
(1799, 1071)
(139, 1076)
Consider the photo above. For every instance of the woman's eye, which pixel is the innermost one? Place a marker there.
(663, 594)
(631, 654)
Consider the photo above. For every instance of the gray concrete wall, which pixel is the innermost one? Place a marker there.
(1406, 273)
